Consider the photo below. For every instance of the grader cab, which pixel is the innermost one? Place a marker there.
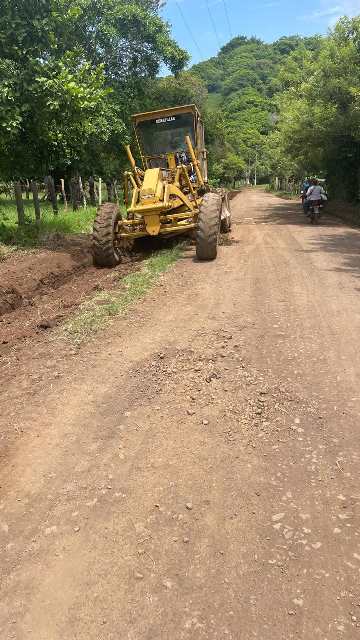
(169, 194)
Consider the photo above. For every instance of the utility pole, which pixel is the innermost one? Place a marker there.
(255, 169)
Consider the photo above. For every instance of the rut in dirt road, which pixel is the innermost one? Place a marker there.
(195, 472)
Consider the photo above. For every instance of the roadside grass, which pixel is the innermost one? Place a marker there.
(6, 251)
(30, 235)
(98, 312)
(285, 195)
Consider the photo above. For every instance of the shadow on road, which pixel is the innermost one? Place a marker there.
(342, 239)
(346, 244)
(288, 213)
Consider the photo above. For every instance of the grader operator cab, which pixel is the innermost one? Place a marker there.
(169, 194)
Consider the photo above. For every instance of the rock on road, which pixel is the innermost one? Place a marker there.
(195, 474)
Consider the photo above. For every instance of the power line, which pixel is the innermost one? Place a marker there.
(187, 26)
(213, 23)
(227, 17)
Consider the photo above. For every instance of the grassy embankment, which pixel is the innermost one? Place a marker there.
(94, 314)
(98, 311)
(30, 235)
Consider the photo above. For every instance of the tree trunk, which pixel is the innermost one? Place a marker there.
(19, 204)
(35, 193)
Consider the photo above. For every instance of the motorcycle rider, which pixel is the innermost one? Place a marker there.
(315, 193)
(305, 187)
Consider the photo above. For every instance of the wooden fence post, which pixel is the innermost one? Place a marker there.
(100, 192)
(74, 193)
(116, 191)
(19, 204)
(82, 193)
(110, 190)
(53, 197)
(63, 193)
(92, 191)
(35, 193)
(49, 183)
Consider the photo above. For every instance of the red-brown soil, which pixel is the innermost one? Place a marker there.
(38, 289)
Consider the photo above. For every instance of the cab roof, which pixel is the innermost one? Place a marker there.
(151, 115)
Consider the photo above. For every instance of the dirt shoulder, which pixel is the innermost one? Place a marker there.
(348, 212)
(40, 288)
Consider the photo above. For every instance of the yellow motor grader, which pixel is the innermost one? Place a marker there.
(169, 194)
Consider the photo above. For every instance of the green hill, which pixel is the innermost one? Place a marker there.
(243, 81)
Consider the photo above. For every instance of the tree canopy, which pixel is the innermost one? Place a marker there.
(318, 127)
(71, 73)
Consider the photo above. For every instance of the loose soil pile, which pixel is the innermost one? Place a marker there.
(38, 289)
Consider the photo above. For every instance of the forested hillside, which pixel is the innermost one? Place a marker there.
(243, 82)
(291, 108)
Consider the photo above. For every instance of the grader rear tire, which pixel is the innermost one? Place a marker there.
(105, 252)
(207, 233)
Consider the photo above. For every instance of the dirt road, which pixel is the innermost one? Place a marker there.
(193, 472)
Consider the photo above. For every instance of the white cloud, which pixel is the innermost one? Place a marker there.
(329, 12)
(344, 8)
(333, 13)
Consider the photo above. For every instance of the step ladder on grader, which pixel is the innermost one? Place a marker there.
(169, 194)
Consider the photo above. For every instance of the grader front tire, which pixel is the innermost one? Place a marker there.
(207, 233)
(105, 251)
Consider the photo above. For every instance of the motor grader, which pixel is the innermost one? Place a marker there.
(169, 194)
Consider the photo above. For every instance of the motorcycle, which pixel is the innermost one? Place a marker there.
(303, 200)
(315, 207)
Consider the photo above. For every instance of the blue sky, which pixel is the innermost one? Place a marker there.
(267, 19)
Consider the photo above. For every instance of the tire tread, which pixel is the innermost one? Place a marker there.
(104, 253)
(207, 233)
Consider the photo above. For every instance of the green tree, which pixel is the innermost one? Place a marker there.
(71, 71)
(230, 169)
(184, 88)
(319, 114)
